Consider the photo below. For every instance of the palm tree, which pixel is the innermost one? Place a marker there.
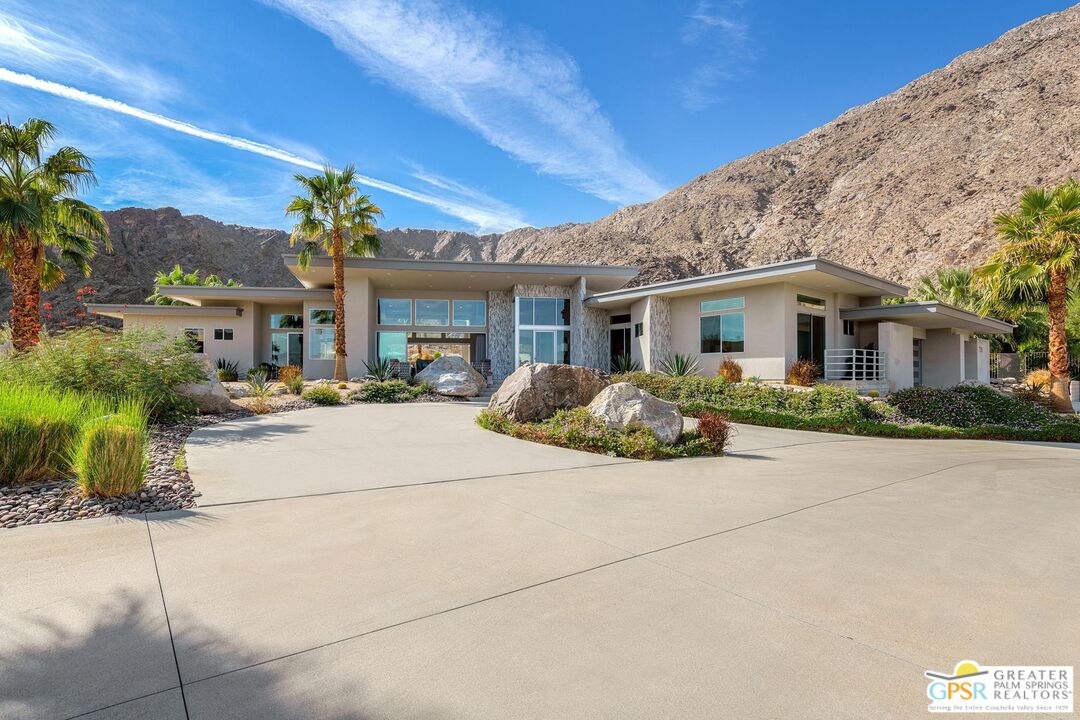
(177, 276)
(37, 212)
(1040, 262)
(332, 213)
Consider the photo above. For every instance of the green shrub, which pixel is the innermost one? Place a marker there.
(380, 369)
(679, 365)
(322, 395)
(228, 370)
(389, 391)
(966, 406)
(258, 385)
(873, 394)
(295, 385)
(110, 457)
(38, 428)
(146, 364)
(578, 430)
(624, 364)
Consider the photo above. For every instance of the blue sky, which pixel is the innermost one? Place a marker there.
(477, 116)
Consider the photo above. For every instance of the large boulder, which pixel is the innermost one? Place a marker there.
(623, 406)
(210, 395)
(451, 375)
(534, 392)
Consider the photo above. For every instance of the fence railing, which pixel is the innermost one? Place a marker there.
(1020, 364)
(854, 364)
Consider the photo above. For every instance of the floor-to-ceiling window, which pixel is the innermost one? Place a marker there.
(543, 330)
(619, 338)
(810, 330)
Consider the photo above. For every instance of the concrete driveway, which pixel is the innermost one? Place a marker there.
(399, 562)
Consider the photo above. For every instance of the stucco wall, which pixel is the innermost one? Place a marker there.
(359, 336)
(239, 350)
(501, 332)
(942, 358)
(895, 340)
(766, 326)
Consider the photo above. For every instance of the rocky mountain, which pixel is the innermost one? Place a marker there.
(898, 187)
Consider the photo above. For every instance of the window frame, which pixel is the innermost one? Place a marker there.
(230, 331)
(454, 316)
(845, 325)
(378, 343)
(741, 299)
(286, 314)
(378, 312)
(811, 303)
(520, 327)
(322, 328)
(312, 323)
(639, 329)
(721, 316)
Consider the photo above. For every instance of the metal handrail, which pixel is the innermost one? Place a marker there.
(854, 364)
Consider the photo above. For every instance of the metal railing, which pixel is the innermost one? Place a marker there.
(854, 364)
(1028, 361)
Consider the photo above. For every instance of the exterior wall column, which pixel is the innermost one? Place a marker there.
(983, 367)
(897, 342)
(359, 336)
(577, 323)
(500, 340)
(657, 331)
(943, 358)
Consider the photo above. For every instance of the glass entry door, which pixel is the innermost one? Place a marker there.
(810, 339)
(287, 348)
(620, 343)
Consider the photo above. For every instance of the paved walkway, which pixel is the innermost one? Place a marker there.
(399, 562)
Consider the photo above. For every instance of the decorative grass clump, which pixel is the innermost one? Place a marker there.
(323, 395)
(803, 373)
(578, 430)
(716, 430)
(110, 458)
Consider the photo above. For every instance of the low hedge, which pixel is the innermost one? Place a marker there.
(389, 391)
(578, 430)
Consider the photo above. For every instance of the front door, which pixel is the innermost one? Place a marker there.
(620, 343)
(810, 341)
(287, 348)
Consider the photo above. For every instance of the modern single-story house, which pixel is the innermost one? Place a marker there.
(499, 315)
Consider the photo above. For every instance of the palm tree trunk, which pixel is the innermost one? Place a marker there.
(1059, 350)
(341, 371)
(25, 293)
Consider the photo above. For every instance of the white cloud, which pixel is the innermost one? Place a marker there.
(519, 93)
(34, 47)
(485, 219)
(725, 38)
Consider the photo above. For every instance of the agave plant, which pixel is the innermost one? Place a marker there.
(624, 364)
(381, 369)
(228, 370)
(259, 384)
(679, 365)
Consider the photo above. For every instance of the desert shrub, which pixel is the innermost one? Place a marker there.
(267, 370)
(576, 429)
(322, 395)
(803, 372)
(110, 457)
(1039, 379)
(716, 430)
(260, 406)
(624, 364)
(679, 365)
(731, 371)
(228, 370)
(873, 394)
(146, 364)
(343, 386)
(287, 373)
(968, 406)
(389, 391)
(295, 385)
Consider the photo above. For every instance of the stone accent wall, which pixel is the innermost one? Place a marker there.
(597, 340)
(500, 338)
(658, 330)
(555, 291)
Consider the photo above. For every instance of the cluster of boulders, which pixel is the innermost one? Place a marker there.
(537, 391)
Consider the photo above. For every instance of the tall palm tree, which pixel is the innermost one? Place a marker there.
(333, 214)
(1040, 262)
(38, 212)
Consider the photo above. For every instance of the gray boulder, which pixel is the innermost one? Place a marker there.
(210, 395)
(451, 375)
(534, 392)
(623, 406)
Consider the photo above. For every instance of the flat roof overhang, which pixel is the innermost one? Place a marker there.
(120, 310)
(930, 315)
(811, 272)
(403, 274)
(197, 295)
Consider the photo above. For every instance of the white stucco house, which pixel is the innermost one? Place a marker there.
(499, 315)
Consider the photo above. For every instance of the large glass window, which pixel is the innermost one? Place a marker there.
(470, 313)
(395, 312)
(543, 330)
(322, 344)
(723, 333)
(286, 321)
(432, 312)
(321, 316)
(732, 303)
(393, 346)
(287, 348)
(543, 311)
(810, 302)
